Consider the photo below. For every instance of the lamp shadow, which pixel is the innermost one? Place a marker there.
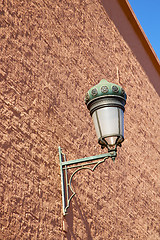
(69, 220)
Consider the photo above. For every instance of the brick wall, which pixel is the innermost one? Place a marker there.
(52, 52)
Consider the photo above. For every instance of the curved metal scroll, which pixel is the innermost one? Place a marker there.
(92, 169)
(84, 162)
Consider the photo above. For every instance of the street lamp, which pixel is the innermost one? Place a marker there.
(105, 102)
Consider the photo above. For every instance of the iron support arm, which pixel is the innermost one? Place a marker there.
(79, 164)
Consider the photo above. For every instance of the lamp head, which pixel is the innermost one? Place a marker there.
(106, 102)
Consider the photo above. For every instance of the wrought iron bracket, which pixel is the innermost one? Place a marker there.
(79, 164)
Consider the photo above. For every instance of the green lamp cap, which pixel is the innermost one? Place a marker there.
(104, 88)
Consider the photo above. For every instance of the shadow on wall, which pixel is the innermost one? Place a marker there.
(69, 222)
(122, 16)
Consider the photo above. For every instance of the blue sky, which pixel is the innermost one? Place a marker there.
(148, 14)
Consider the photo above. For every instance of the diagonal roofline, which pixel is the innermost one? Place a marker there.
(125, 20)
(140, 32)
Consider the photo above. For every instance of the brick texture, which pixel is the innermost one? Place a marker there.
(52, 52)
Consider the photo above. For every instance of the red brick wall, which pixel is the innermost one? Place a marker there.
(52, 52)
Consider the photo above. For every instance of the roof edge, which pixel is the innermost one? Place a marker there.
(125, 5)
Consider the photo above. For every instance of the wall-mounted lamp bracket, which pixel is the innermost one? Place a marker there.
(83, 163)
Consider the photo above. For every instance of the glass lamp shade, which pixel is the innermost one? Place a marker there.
(109, 125)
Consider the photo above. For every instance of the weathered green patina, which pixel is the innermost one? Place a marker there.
(79, 164)
(104, 88)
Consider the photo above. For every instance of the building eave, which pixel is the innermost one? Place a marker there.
(140, 32)
(125, 20)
